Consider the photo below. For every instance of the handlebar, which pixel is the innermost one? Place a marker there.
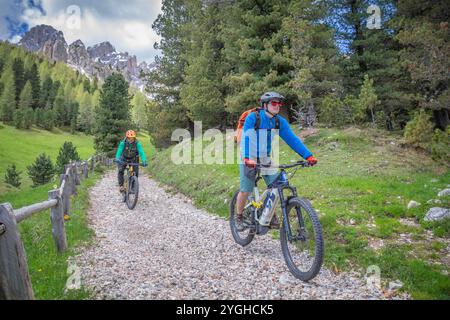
(129, 163)
(300, 163)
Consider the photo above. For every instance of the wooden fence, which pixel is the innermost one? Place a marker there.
(14, 277)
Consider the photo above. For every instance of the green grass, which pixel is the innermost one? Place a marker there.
(362, 175)
(47, 268)
(21, 147)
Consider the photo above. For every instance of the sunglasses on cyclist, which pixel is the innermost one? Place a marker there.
(275, 103)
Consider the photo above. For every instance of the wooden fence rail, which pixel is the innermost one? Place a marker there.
(14, 277)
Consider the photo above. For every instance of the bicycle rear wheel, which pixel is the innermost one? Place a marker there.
(303, 253)
(132, 192)
(246, 236)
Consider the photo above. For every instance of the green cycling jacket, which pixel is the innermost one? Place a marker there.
(139, 149)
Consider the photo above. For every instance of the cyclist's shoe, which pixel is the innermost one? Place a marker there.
(122, 189)
(240, 222)
(275, 223)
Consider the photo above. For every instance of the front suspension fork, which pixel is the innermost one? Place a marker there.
(284, 202)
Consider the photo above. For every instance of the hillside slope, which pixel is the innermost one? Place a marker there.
(21, 147)
(361, 187)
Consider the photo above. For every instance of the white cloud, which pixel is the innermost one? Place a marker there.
(15, 39)
(126, 24)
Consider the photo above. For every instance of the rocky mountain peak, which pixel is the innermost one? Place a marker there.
(100, 50)
(99, 60)
(46, 39)
(78, 43)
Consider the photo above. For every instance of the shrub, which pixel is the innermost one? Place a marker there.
(67, 152)
(48, 119)
(419, 131)
(12, 177)
(440, 146)
(41, 171)
(28, 118)
(18, 119)
(334, 112)
(381, 120)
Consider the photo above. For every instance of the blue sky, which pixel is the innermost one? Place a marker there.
(126, 24)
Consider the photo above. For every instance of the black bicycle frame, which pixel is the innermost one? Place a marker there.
(281, 186)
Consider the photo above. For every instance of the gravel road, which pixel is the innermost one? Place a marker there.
(166, 248)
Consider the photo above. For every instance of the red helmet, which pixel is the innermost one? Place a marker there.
(130, 134)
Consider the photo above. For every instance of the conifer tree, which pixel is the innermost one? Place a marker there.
(67, 153)
(113, 114)
(8, 99)
(41, 171)
(12, 177)
(19, 77)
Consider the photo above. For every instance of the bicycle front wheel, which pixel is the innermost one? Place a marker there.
(303, 252)
(132, 192)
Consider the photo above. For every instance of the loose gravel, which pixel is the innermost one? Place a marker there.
(166, 248)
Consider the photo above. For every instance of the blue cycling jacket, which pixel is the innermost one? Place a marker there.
(252, 141)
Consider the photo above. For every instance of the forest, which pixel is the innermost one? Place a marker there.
(382, 64)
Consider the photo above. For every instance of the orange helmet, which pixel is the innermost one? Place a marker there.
(130, 134)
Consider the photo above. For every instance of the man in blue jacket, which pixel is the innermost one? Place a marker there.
(256, 146)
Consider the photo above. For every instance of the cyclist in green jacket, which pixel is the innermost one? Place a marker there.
(129, 151)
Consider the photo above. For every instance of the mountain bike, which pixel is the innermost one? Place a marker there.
(300, 232)
(131, 185)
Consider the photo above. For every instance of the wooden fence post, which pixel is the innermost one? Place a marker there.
(75, 173)
(65, 196)
(15, 281)
(85, 170)
(92, 164)
(72, 185)
(57, 219)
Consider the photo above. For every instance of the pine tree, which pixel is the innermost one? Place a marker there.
(255, 50)
(165, 79)
(28, 118)
(33, 77)
(8, 100)
(53, 93)
(95, 84)
(41, 171)
(202, 89)
(423, 32)
(46, 90)
(86, 113)
(73, 116)
(61, 109)
(87, 85)
(49, 118)
(39, 117)
(367, 101)
(314, 56)
(26, 97)
(67, 153)
(419, 131)
(113, 115)
(2, 65)
(19, 77)
(18, 118)
(371, 51)
(138, 111)
(12, 177)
